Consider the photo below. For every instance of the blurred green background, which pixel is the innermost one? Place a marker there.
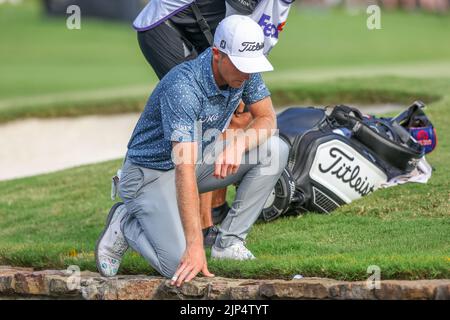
(40, 57)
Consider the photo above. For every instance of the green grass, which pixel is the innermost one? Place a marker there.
(53, 220)
(40, 55)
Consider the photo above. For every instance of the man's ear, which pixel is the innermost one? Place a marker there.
(215, 51)
(216, 54)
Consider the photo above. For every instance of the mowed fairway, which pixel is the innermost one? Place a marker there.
(53, 220)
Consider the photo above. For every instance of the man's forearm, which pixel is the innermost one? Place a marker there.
(188, 203)
(258, 131)
(261, 128)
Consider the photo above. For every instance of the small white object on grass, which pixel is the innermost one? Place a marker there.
(297, 277)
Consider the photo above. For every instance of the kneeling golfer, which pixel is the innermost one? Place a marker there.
(175, 153)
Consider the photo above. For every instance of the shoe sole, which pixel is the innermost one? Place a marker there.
(108, 221)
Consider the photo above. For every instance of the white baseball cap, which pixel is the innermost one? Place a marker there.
(242, 39)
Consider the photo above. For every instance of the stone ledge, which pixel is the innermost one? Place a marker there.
(57, 284)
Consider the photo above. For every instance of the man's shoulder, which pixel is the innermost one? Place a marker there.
(188, 72)
(181, 78)
(255, 82)
(179, 91)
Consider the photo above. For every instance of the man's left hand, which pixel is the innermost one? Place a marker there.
(228, 162)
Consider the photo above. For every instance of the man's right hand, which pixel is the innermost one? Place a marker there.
(192, 262)
(229, 160)
(194, 258)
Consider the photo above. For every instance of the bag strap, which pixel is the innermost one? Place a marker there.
(403, 157)
(406, 118)
(342, 114)
(202, 23)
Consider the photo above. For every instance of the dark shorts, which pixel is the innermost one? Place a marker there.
(179, 38)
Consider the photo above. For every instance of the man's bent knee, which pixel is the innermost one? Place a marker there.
(170, 263)
(275, 154)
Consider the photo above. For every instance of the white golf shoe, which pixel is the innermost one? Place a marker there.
(111, 245)
(236, 251)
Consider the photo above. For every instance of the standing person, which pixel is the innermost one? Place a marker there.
(165, 168)
(271, 15)
(174, 31)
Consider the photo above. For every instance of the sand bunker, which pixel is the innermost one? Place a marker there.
(35, 146)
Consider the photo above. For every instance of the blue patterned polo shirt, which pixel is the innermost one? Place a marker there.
(187, 106)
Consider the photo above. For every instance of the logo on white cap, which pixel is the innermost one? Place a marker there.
(251, 46)
(242, 39)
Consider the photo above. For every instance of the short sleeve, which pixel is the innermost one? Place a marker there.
(254, 90)
(179, 110)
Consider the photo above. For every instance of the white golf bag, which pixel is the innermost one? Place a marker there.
(339, 157)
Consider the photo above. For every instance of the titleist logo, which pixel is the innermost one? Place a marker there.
(251, 46)
(343, 170)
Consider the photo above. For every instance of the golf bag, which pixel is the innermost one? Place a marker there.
(339, 157)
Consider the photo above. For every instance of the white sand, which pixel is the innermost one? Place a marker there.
(30, 147)
(35, 146)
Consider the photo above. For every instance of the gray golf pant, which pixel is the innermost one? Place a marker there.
(152, 225)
